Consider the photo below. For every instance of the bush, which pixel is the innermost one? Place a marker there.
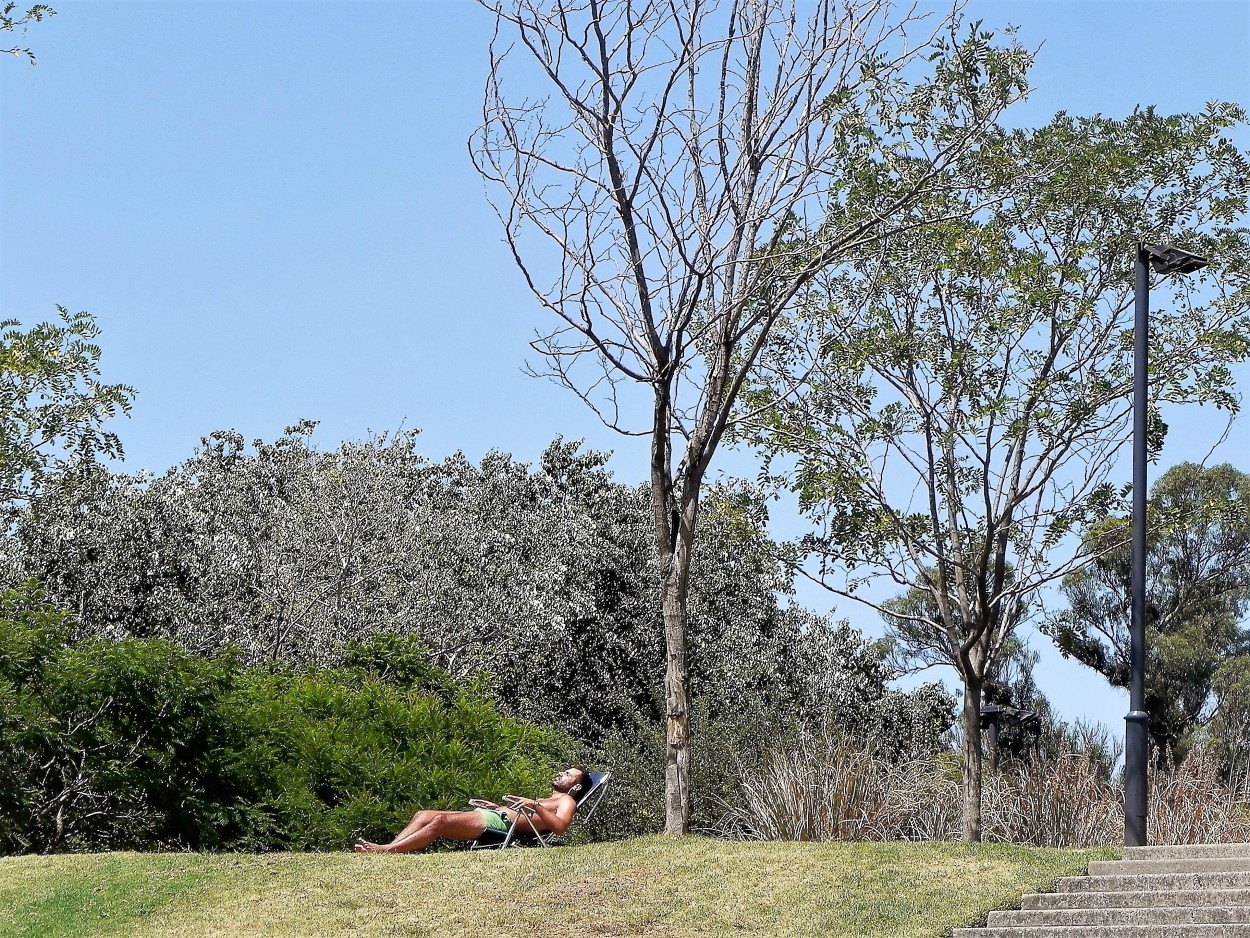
(138, 744)
(333, 756)
(104, 744)
(827, 786)
(1064, 800)
(1191, 804)
(817, 674)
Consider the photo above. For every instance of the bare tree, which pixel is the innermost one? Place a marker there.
(654, 162)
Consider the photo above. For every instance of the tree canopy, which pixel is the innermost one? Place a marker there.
(969, 385)
(1198, 595)
(53, 405)
(651, 197)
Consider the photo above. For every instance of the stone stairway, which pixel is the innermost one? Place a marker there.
(1154, 892)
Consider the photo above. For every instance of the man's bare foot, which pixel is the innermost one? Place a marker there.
(365, 846)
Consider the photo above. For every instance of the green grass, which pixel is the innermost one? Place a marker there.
(654, 886)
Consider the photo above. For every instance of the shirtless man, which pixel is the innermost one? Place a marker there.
(553, 814)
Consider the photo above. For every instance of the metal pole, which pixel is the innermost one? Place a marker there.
(1135, 736)
(992, 716)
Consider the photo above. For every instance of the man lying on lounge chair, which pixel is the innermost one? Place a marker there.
(553, 814)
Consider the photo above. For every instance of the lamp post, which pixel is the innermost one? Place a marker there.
(1163, 260)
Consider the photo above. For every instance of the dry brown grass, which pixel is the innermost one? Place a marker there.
(830, 789)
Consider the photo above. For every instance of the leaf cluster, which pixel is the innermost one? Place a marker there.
(12, 20)
(53, 405)
(1197, 597)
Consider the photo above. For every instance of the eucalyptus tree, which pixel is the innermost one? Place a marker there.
(653, 163)
(1198, 595)
(971, 389)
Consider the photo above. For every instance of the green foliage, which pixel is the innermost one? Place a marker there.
(139, 744)
(532, 583)
(821, 676)
(336, 757)
(105, 742)
(399, 660)
(11, 21)
(963, 393)
(52, 404)
(1197, 596)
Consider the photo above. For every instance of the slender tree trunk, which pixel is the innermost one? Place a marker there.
(972, 760)
(677, 700)
(675, 515)
(675, 557)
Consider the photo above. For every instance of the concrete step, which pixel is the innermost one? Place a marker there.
(1186, 851)
(1109, 931)
(1189, 891)
(1202, 915)
(1137, 900)
(1154, 881)
(1134, 867)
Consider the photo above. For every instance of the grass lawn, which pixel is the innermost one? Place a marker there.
(653, 886)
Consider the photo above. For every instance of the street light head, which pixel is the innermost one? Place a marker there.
(1169, 260)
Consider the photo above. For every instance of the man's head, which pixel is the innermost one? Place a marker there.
(573, 781)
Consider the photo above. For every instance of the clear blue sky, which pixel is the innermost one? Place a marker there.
(269, 208)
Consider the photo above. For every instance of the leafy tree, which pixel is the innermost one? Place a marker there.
(1197, 597)
(53, 406)
(283, 551)
(971, 387)
(538, 577)
(12, 21)
(1228, 733)
(652, 203)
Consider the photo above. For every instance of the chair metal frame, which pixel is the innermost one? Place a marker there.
(517, 834)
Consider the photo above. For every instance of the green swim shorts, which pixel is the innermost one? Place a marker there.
(495, 821)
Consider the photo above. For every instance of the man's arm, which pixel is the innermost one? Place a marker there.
(556, 820)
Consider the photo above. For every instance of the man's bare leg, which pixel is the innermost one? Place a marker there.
(451, 825)
(419, 820)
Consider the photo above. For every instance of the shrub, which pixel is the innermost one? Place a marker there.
(830, 787)
(138, 744)
(633, 804)
(104, 743)
(1192, 805)
(1063, 800)
(333, 756)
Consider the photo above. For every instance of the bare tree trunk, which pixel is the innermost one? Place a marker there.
(675, 515)
(972, 760)
(677, 700)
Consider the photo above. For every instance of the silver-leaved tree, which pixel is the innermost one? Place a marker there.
(654, 165)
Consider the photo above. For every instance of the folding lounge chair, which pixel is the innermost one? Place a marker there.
(524, 833)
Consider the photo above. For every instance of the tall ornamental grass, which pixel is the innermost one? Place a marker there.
(831, 788)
